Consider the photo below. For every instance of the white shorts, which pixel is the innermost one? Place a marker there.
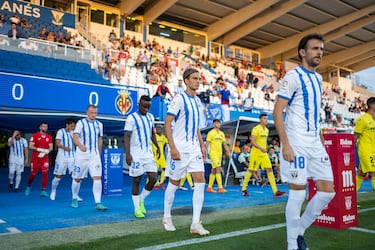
(16, 166)
(190, 162)
(82, 166)
(309, 162)
(142, 165)
(62, 165)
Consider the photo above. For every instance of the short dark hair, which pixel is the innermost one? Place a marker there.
(145, 98)
(188, 72)
(69, 121)
(262, 115)
(303, 42)
(370, 101)
(216, 120)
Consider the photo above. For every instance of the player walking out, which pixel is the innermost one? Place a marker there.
(365, 137)
(41, 144)
(18, 158)
(215, 141)
(65, 155)
(303, 152)
(88, 139)
(187, 150)
(138, 137)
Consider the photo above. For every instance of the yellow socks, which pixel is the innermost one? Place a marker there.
(211, 180)
(219, 181)
(359, 180)
(271, 180)
(246, 180)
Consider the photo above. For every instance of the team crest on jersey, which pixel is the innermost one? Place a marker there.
(294, 174)
(123, 102)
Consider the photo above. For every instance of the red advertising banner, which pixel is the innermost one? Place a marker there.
(341, 212)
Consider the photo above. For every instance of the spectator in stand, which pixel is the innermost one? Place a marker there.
(123, 59)
(176, 53)
(240, 85)
(327, 111)
(274, 159)
(14, 32)
(163, 90)
(27, 44)
(169, 51)
(244, 158)
(144, 61)
(112, 35)
(43, 34)
(203, 79)
(250, 78)
(339, 122)
(248, 103)
(255, 82)
(224, 95)
(179, 88)
(15, 19)
(60, 38)
(238, 103)
(205, 99)
(2, 18)
(3, 42)
(237, 148)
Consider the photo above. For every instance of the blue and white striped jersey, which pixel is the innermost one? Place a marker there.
(17, 149)
(66, 140)
(141, 127)
(303, 90)
(89, 133)
(186, 111)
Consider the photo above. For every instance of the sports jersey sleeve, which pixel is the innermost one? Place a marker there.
(255, 131)
(359, 126)
(101, 129)
(129, 124)
(209, 137)
(78, 128)
(288, 87)
(59, 135)
(175, 106)
(24, 142)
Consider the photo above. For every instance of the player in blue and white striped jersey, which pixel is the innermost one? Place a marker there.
(303, 152)
(88, 139)
(18, 157)
(187, 150)
(65, 154)
(139, 135)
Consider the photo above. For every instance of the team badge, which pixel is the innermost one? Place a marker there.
(115, 159)
(57, 17)
(123, 102)
(348, 202)
(294, 174)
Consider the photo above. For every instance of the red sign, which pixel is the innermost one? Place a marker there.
(341, 212)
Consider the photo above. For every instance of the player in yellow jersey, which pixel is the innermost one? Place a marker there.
(215, 141)
(365, 137)
(161, 162)
(259, 157)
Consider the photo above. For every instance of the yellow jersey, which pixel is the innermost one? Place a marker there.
(216, 139)
(162, 141)
(365, 128)
(261, 134)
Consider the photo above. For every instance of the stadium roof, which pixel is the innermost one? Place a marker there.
(273, 27)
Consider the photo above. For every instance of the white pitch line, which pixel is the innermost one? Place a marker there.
(362, 230)
(366, 210)
(214, 237)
